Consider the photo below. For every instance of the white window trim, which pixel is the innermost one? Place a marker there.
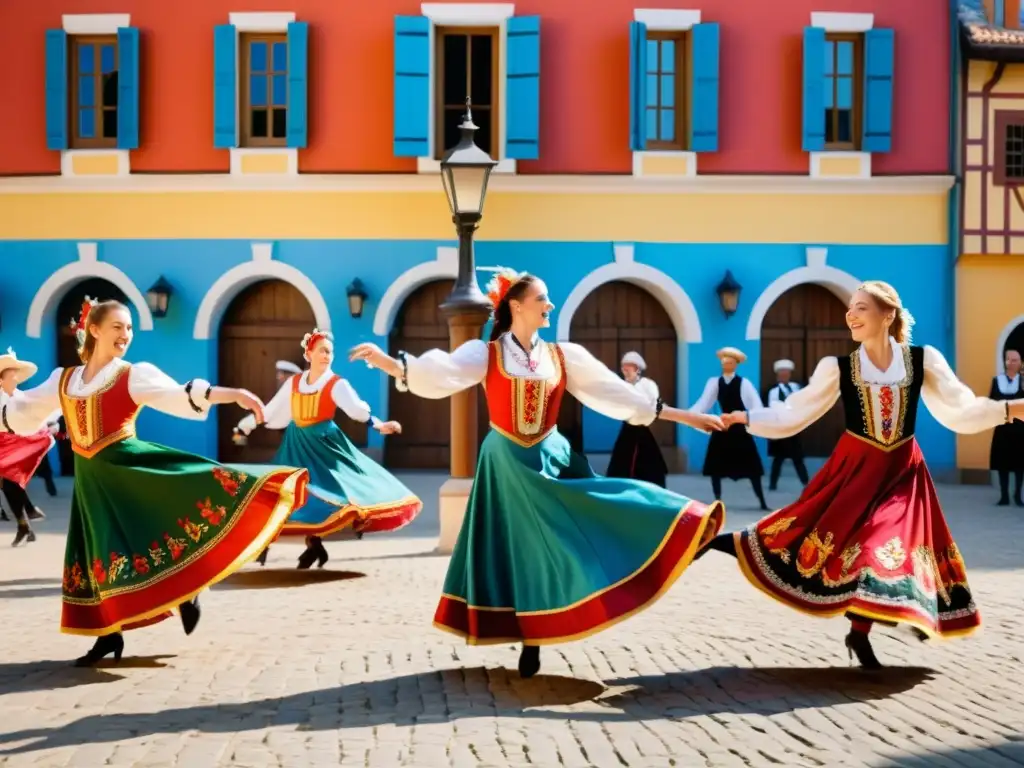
(469, 15)
(93, 24)
(247, 23)
(842, 22)
(667, 20)
(863, 157)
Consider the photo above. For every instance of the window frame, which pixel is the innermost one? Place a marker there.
(1004, 118)
(75, 141)
(245, 138)
(857, 77)
(440, 33)
(682, 93)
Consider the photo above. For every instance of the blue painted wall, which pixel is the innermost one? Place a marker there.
(193, 266)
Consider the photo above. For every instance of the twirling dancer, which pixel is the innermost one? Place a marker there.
(549, 552)
(636, 452)
(867, 536)
(151, 526)
(346, 487)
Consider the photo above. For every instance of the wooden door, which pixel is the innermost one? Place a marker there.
(265, 323)
(805, 324)
(615, 319)
(68, 310)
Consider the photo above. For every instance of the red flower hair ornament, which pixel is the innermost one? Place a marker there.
(502, 282)
(79, 326)
(314, 337)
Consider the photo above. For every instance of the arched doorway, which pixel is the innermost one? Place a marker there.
(263, 324)
(616, 318)
(805, 324)
(68, 311)
(1015, 340)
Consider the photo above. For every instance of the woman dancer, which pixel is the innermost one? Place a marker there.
(636, 452)
(346, 487)
(867, 536)
(1006, 453)
(151, 527)
(549, 552)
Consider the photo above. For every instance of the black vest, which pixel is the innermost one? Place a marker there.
(729, 397)
(857, 397)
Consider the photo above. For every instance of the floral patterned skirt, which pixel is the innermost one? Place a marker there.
(151, 527)
(867, 536)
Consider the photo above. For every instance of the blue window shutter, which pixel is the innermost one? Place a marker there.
(225, 103)
(814, 89)
(704, 46)
(879, 58)
(412, 86)
(637, 86)
(56, 89)
(128, 88)
(298, 56)
(522, 88)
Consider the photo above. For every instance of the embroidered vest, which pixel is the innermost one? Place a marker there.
(523, 410)
(313, 407)
(871, 412)
(103, 418)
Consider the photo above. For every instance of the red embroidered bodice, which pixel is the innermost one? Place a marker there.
(523, 410)
(313, 407)
(103, 418)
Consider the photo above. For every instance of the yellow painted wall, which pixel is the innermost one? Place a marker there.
(988, 298)
(854, 219)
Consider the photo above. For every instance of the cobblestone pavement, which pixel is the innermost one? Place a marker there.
(343, 667)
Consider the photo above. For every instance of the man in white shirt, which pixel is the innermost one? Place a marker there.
(790, 447)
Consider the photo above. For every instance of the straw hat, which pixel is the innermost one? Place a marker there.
(783, 365)
(286, 367)
(633, 358)
(24, 370)
(732, 352)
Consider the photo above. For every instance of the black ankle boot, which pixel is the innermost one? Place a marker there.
(859, 643)
(105, 645)
(24, 533)
(190, 614)
(3, 515)
(321, 552)
(262, 559)
(308, 557)
(1004, 501)
(529, 661)
(51, 488)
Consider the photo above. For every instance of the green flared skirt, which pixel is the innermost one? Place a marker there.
(152, 526)
(551, 552)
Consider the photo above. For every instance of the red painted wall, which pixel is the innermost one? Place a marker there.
(584, 83)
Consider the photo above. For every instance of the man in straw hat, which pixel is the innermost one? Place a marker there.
(787, 447)
(285, 370)
(731, 453)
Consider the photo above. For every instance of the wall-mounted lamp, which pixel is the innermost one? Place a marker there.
(729, 294)
(158, 297)
(356, 298)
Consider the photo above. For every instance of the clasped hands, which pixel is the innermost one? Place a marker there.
(735, 417)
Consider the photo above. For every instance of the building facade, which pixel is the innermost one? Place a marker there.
(990, 268)
(260, 160)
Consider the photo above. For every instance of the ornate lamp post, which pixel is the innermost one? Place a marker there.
(465, 171)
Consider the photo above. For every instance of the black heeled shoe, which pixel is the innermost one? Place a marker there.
(262, 559)
(321, 552)
(308, 556)
(529, 661)
(190, 614)
(24, 533)
(860, 644)
(105, 645)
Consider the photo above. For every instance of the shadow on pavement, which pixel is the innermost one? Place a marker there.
(280, 578)
(14, 594)
(453, 694)
(1007, 753)
(26, 676)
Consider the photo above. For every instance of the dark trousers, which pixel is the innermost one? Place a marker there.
(1004, 486)
(755, 483)
(798, 464)
(18, 501)
(45, 472)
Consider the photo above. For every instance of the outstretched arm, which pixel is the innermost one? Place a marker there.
(278, 412)
(435, 374)
(800, 410)
(150, 386)
(27, 411)
(955, 406)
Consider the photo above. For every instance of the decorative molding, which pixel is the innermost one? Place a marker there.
(666, 19)
(816, 271)
(261, 267)
(261, 22)
(687, 157)
(862, 160)
(95, 23)
(87, 265)
(68, 156)
(426, 183)
(624, 267)
(1004, 336)
(468, 14)
(290, 154)
(428, 165)
(842, 22)
(445, 266)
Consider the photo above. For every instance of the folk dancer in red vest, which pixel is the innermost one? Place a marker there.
(347, 489)
(151, 527)
(549, 551)
(867, 537)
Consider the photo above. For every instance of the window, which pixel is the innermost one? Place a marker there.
(842, 97)
(1009, 149)
(467, 65)
(264, 90)
(666, 97)
(93, 93)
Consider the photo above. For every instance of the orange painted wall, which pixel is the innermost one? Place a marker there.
(584, 83)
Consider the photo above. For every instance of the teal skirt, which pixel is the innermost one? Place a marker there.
(550, 552)
(346, 487)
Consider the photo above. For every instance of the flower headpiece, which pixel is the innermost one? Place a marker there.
(79, 325)
(499, 285)
(310, 340)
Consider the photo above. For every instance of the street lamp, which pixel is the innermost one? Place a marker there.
(356, 294)
(729, 294)
(159, 296)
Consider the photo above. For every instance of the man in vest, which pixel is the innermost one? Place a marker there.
(789, 447)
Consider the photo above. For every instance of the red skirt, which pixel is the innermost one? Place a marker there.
(866, 537)
(20, 456)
